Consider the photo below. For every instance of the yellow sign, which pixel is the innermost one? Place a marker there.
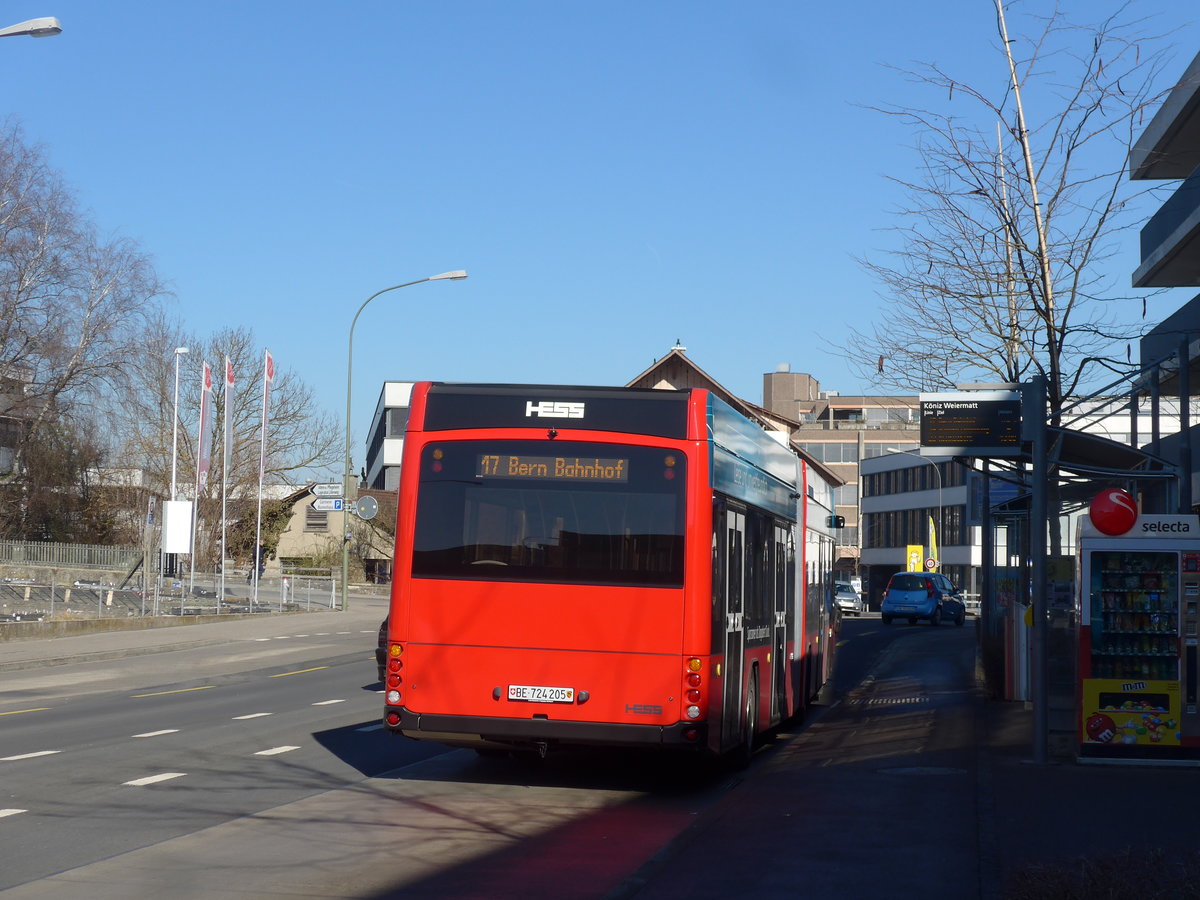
(916, 557)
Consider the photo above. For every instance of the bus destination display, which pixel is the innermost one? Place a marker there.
(553, 468)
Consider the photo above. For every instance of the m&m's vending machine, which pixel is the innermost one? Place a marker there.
(1139, 612)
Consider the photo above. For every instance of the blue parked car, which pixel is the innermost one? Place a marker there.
(922, 595)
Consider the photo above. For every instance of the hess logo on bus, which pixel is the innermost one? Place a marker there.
(548, 409)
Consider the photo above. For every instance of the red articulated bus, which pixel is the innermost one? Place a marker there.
(597, 566)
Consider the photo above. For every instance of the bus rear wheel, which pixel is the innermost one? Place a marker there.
(745, 750)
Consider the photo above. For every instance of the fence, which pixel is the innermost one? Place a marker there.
(28, 599)
(67, 556)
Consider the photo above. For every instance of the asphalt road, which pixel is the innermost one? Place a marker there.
(256, 767)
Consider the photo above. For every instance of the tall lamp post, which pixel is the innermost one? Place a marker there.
(938, 473)
(348, 473)
(47, 26)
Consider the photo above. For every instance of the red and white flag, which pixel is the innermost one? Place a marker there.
(204, 446)
(268, 380)
(228, 403)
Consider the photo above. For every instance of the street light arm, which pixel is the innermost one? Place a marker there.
(347, 472)
(350, 373)
(47, 26)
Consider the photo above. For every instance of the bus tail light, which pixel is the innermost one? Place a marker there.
(394, 665)
(392, 718)
(692, 693)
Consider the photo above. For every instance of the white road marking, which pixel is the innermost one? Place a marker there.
(374, 727)
(275, 751)
(11, 812)
(300, 635)
(154, 779)
(29, 755)
(251, 716)
(260, 640)
(327, 702)
(157, 733)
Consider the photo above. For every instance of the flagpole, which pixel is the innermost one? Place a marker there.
(225, 456)
(195, 494)
(256, 562)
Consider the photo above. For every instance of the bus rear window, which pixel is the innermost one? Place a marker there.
(555, 512)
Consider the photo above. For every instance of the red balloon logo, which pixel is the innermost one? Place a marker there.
(1113, 512)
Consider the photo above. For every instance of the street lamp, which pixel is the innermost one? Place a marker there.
(347, 472)
(47, 26)
(938, 473)
(179, 351)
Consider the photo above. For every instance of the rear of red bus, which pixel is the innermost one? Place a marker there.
(544, 579)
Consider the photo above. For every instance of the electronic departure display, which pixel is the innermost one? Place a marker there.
(552, 468)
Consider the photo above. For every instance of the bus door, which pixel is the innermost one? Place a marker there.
(779, 591)
(735, 635)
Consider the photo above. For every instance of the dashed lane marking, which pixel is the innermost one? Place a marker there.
(252, 716)
(299, 672)
(327, 702)
(157, 733)
(207, 687)
(29, 755)
(11, 812)
(17, 712)
(154, 779)
(275, 751)
(375, 727)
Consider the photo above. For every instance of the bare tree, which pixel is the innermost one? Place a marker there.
(72, 313)
(302, 441)
(1020, 199)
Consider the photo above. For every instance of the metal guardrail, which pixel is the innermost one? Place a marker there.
(67, 556)
(23, 600)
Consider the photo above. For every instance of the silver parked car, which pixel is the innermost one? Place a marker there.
(847, 599)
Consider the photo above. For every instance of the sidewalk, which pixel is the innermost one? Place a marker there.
(852, 809)
(175, 633)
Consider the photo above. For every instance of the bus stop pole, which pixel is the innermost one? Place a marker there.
(1033, 423)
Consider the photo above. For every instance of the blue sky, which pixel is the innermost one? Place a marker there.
(614, 175)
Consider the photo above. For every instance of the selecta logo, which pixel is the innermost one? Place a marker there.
(1113, 512)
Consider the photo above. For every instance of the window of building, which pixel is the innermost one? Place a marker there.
(397, 421)
(846, 495)
(315, 519)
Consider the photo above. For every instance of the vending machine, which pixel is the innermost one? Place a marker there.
(1139, 610)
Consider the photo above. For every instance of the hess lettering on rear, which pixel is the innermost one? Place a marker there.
(550, 409)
